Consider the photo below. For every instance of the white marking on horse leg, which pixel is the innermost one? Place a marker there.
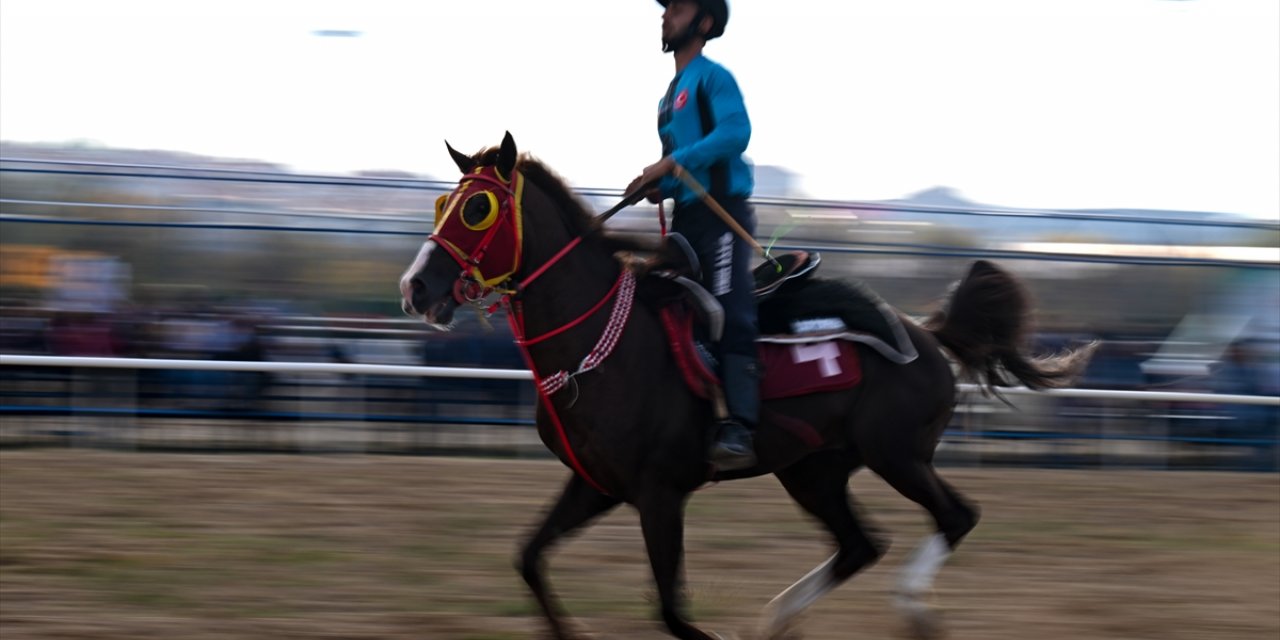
(796, 598)
(406, 289)
(918, 573)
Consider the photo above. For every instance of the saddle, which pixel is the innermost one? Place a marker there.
(790, 268)
(808, 325)
(676, 258)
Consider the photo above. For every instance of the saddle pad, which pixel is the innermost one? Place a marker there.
(788, 369)
(836, 308)
(803, 368)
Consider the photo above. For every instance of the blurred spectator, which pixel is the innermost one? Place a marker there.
(79, 333)
(1240, 373)
(24, 330)
(1117, 364)
(246, 389)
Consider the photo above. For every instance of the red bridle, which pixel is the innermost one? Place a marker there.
(489, 249)
(471, 247)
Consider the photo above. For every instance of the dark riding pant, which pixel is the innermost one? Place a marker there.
(726, 273)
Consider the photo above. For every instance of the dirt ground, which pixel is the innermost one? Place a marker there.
(98, 544)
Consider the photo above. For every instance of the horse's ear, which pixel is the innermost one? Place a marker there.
(507, 155)
(465, 162)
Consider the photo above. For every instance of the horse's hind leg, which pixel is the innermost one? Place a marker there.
(900, 462)
(577, 505)
(820, 484)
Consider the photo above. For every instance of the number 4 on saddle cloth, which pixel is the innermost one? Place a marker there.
(807, 324)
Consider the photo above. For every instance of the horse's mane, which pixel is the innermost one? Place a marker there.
(580, 218)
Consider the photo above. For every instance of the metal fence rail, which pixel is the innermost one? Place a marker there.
(521, 374)
(129, 170)
(860, 247)
(149, 404)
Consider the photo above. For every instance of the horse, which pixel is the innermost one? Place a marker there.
(617, 412)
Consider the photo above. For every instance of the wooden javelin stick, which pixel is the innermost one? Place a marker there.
(697, 189)
(627, 200)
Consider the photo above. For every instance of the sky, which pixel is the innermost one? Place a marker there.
(1060, 104)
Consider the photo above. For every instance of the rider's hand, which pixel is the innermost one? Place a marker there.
(650, 174)
(652, 194)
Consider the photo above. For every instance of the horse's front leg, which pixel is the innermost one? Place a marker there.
(578, 504)
(662, 521)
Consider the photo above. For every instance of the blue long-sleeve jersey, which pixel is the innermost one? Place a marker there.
(704, 127)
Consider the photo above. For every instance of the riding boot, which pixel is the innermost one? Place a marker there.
(733, 448)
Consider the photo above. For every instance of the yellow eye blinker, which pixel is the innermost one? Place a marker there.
(480, 211)
(440, 208)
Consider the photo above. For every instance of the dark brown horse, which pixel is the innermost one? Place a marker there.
(620, 416)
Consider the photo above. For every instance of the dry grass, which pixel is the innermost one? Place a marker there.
(117, 545)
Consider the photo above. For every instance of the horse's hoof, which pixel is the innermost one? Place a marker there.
(926, 627)
(786, 629)
(922, 618)
(569, 632)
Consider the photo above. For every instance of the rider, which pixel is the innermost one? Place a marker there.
(704, 128)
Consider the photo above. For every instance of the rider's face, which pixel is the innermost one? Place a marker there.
(677, 16)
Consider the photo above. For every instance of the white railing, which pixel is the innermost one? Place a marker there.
(522, 374)
(266, 366)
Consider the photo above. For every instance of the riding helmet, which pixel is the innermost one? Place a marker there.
(717, 9)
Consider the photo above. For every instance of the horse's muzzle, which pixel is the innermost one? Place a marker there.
(440, 314)
(416, 303)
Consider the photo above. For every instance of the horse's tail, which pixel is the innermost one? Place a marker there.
(985, 324)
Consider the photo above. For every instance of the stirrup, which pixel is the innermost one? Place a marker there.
(733, 458)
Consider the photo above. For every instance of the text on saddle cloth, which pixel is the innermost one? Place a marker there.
(788, 369)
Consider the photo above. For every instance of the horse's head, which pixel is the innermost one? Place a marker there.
(480, 227)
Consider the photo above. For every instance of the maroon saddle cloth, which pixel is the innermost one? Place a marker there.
(794, 367)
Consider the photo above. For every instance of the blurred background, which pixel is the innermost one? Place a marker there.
(247, 182)
(239, 185)
(144, 254)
